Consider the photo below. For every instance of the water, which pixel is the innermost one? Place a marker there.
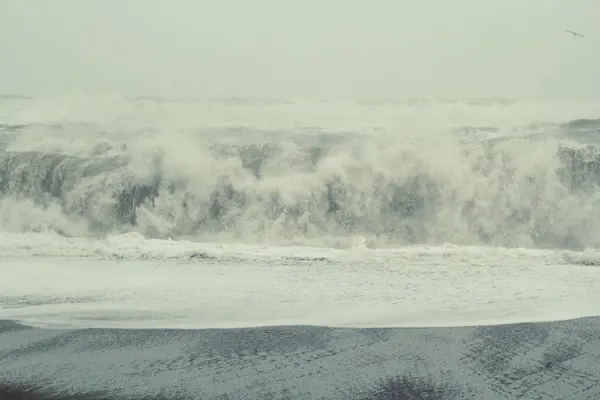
(181, 213)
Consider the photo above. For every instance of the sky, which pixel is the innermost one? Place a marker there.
(323, 49)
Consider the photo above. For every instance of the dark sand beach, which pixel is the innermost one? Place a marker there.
(555, 360)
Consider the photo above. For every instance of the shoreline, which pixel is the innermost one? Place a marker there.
(528, 360)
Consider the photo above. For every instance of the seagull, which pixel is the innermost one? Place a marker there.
(575, 33)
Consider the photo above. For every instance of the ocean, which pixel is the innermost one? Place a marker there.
(161, 215)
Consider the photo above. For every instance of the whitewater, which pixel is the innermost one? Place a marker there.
(219, 213)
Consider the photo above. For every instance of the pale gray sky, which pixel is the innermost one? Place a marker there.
(301, 48)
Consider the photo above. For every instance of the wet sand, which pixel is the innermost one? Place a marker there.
(555, 360)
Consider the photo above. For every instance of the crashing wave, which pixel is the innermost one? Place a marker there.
(510, 193)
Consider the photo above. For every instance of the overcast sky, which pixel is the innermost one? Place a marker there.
(302, 48)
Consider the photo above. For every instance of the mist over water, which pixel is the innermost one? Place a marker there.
(386, 173)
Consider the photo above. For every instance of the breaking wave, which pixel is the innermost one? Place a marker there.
(523, 191)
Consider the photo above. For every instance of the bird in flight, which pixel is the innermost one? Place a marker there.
(575, 33)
